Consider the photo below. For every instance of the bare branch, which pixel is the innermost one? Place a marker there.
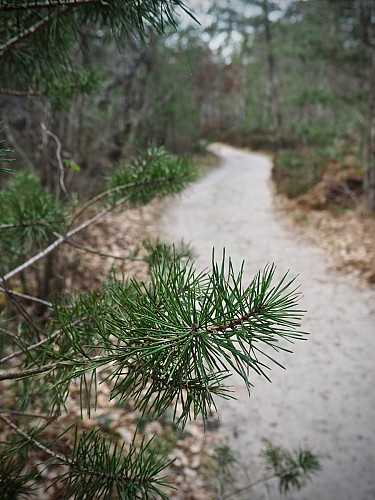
(32, 440)
(53, 336)
(19, 93)
(102, 254)
(58, 157)
(50, 4)
(60, 240)
(25, 296)
(17, 375)
(27, 415)
(20, 37)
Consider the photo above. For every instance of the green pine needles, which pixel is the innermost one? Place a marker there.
(190, 330)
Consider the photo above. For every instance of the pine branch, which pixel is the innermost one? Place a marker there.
(26, 415)
(124, 187)
(31, 30)
(49, 4)
(17, 375)
(32, 440)
(60, 240)
(31, 347)
(245, 318)
(101, 467)
(20, 308)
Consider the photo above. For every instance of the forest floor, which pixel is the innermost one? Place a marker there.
(347, 236)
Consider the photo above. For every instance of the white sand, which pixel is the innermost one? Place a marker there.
(325, 398)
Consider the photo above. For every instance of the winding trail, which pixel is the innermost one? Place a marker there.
(325, 398)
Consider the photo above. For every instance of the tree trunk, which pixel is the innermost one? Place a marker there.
(274, 109)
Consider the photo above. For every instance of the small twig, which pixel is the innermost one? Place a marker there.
(60, 240)
(27, 415)
(16, 375)
(19, 93)
(31, 347)
(102, 254)
(20, 308)
(262, 480)
(26, 296)
(20, 37)
(236, 322)
(50, 4)
(116, 189)
(58, 157)
(5, 332)
(32, 440)
(24, 224)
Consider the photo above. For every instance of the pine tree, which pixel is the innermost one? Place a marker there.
(169, 343)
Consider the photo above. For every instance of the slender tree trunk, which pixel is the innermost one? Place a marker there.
(366, 11)
(273, 101)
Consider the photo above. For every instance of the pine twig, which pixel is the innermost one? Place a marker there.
(32, 440)
(31, 347)
(50, 4)
(24, 224)
(60, 240)
(26, 33)
(16, 375)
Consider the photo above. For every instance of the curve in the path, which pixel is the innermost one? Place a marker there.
(325, 398)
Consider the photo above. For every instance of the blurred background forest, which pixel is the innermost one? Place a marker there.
(85, 89)
(293, 77)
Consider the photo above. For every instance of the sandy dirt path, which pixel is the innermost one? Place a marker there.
(325, 398)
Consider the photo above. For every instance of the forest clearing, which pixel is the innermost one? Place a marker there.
(187, 200)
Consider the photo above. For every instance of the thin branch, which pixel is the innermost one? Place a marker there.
(24, 224)
(116, 189)
(102, 254)
(27, 297)
(20, 308)
(5, 332)
(236, 322)
(87, 223)
(32, 440)
(12, 140)
(60, 240)
(262, 480)
(58, 157)
(19, 93)
(50, 4)
(31, 347)
(30, 31)
(70, 463)
(27, 415)
(17, 375)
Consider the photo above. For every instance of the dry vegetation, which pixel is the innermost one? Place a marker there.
(332, 216)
